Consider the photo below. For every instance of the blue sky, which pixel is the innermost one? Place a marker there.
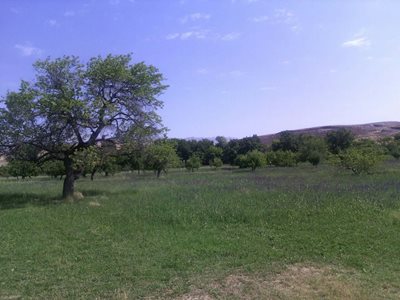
(235, 67)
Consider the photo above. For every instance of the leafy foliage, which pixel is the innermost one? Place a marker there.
(312, 149)
(361, 157)
(339, 140)
(282, 158)
(193, 163)
(160, 156)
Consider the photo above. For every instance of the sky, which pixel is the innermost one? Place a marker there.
(234, 67)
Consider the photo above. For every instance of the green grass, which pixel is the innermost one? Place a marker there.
(137, 236)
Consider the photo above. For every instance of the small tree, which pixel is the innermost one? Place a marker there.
(253, 159)
(361, 158)
(216, 163)
(312, 149)
(53, 168)
(193, 163)
(160, 156)
(22, 168)
(282, 158)
(256, 159)
(339, 140)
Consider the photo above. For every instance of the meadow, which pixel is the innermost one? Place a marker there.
(276, 233)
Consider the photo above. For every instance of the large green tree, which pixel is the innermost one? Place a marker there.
(70, 106)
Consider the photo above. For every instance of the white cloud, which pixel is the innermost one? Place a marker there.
(52, 22)
(286, 17)
(280, 16)
(230, 36)
(359, 42)
(172, 36)
(195, 17)
(69, 13)
(260, 19)
(28, 50)
(196, 34)
(202, 71)
(201, 34)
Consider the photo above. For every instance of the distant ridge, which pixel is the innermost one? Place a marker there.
(361, 131)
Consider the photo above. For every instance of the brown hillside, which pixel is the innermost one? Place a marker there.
(369, 131)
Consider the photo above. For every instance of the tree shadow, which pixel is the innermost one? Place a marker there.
(21, 200)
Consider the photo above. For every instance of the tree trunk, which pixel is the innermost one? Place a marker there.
(92, 174)
(69, 181)
(158, 173)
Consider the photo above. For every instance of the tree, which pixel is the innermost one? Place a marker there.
(193, 163)
(160, 156)
(216, 162)
(253, 159)
(339, 140)
(282, 158)
(70, 107)
(256, 159)
(53, 168)
(22, 168)
(362, 157)
(288, 141)
(312, 149)
(212, 153)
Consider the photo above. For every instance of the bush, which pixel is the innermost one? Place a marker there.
(193, 163)
(359, 160)
(22, 168)
(282, 158)
(216, 163)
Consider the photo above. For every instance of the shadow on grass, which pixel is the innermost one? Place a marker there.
(21, 200)
(15, 200)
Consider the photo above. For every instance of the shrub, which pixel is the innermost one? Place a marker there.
(282, 158)
(216, 163)
(359, 160)
(193, 163)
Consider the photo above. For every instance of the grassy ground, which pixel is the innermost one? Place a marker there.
(275, 233)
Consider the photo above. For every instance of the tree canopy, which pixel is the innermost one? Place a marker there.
(71, 106)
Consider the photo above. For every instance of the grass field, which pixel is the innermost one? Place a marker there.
(276, 233)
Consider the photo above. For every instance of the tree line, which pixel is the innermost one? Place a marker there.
(159, 155)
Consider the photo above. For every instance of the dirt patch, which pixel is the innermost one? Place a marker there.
(94, 204)
(297, 281)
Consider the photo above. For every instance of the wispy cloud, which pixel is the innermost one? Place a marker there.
(359, 42)
(230, 36)
(27, 49)
(52, 23)
(69, 13)
(201, 34)
(195, 34)
(281, 16)
(202, 71)
(195, 17)
(260, 19)
(287, 17)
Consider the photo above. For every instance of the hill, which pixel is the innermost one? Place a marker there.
(369, 131)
